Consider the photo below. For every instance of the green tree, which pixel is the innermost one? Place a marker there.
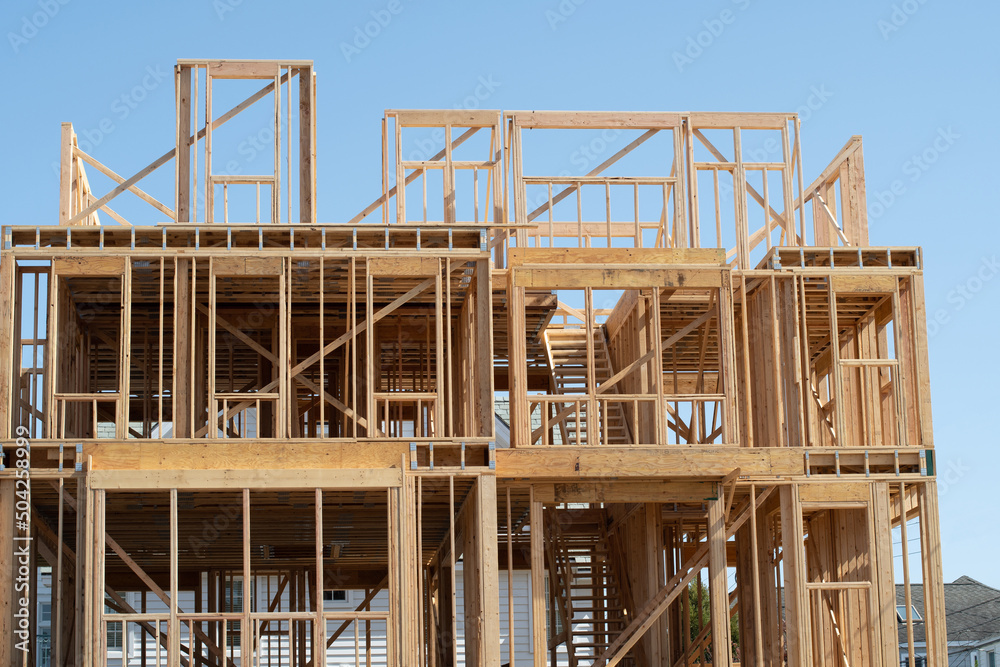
(703, 616)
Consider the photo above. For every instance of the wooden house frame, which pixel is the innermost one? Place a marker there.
(740, 387)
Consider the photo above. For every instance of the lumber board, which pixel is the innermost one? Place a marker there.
(403, 266)
(440, 117)
(596, 257)
(867, 284)
(89, 266)
(285, 478)
(694, 461)
(642, 120)
(615, 277)
(823, 493)
(244, 69)
(658, 491)
(236, 455)
(246, 266)
(8, 334)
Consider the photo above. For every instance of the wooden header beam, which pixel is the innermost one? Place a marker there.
(271, 480)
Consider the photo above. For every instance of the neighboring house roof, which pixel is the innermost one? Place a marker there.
(972, 611)
(501, 415)
(501, 408)
(501, 418)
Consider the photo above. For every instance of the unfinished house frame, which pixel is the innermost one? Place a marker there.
(666, 407)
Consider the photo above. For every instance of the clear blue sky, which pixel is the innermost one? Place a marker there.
(914, 77)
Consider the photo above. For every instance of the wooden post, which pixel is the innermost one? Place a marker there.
(307, 145)
(538, 591)
(125, 352)
(182, 357)
(881, 571)
(245, 630)
(517, 372)
(935, 627)
(749, 618)
(209, 124)
(182, 77)
(717, 583)
(174, 632)
(67, 141)
(854, 199)
(9, 338)
(653, 540)
(97, 572)
(489, 576)
(798, 634)
(484, 350)
(319, 628)
(918, 325)
(472, 560)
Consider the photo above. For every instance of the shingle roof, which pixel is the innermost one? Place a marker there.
(501, 409)
(972, 609)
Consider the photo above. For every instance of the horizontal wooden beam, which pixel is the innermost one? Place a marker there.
(235, 69)
(744, 121)
(89, 266)
(244, 455)
(594, 257)
(655, 491)
(246, 266)
(616, 277)
(570, 462)
(246, 479)
(442, 117)
(640, 120)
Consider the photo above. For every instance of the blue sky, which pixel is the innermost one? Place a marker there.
(917, 78)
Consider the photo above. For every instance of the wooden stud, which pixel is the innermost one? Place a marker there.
(793, 564)
(538, 593)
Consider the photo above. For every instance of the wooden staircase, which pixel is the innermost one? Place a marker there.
(566, 351)
(585, 586)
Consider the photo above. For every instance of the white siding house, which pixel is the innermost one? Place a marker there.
(125, 647)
